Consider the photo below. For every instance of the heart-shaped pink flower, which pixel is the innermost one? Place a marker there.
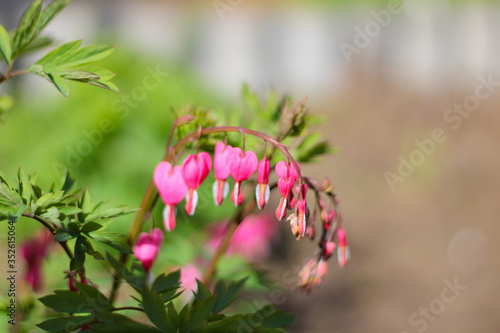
(170, 183)
(220, 188)
(241, 164)
(262, 190)
(194, 171)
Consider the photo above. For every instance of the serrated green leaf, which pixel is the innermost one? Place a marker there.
(86, 203)
(50, 199)
(52, 215)
(59, 83)
(5, 48)
(26, 30)
(164, 282)
(154, 308)
(67, 301)
(17, 216)
(65, 324)
(10, 194)
(225, 296)
(201, 310)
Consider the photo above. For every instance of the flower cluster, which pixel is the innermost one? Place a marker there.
(33, 251)
(175, 183)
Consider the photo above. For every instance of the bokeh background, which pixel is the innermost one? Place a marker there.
(437, 225)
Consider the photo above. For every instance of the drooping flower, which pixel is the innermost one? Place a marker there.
(172, 190)
(287, 177)
(302, 212)
(220, 188)
(252, 239)
(343, 253)
(241, 165)
(194, 171)
(34, 250)
(262, 190)
(147, 247)
(312, 274)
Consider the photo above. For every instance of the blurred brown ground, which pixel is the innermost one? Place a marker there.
(401, 241)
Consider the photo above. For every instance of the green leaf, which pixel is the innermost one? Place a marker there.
(90, 227)
(5, 48)
(86, 203)
(59, 83)
(88, 248)
(154, 308)
(201, 310)
(105, 84)
(124, 324)
(89, 54)
(278, 319)
(65, 324)
(102, 73)
(24, 185)
(62, 236)
(97, 299)
(69, 210)
(67, 182)
(49, 199)
(226, 296)
(26, 30)
(113, 239)
(79, 256)
(60, 55)
(9, 194)
(52, 215)
(164, 282)
(67, 301)
(17, 216)
(78, 75)
(172, 318)
(124, 272)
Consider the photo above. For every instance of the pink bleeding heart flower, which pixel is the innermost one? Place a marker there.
(241, 165)
(33, 251)
(194, 171)
(147, 247)
(262, 190)
(189, 274)
(172, 190)
(343, 253)
(220, 188)
(312, 274)
(287, 177)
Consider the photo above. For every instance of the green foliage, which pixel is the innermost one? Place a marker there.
(68, 209)
(61, 64)
(204, 315)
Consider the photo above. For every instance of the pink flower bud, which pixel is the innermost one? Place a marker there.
(172, 189)
(147, 246)
(220, 188)
(241, 165)
(194, 171)
(287, 177)
(343, 253)
(262, 190)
